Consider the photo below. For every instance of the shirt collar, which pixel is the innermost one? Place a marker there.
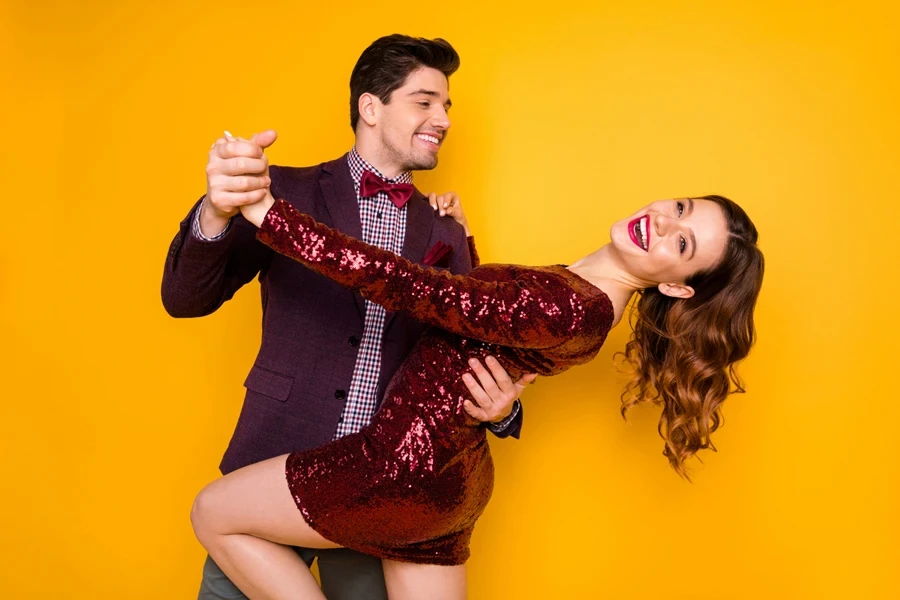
(358, 164)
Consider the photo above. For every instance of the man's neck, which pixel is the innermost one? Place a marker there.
(371, 154)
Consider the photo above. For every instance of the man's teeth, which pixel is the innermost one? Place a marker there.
(643, 225)
(428, 138)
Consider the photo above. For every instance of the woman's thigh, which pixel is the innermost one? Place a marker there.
(255, 500)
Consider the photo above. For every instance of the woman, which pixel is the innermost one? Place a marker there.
(409, 487)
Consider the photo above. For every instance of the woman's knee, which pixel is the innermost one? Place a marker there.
(203, 513)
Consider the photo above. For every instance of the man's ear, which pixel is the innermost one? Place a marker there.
(369, 107)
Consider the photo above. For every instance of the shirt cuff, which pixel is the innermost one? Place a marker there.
(198, 234)
(499, 427)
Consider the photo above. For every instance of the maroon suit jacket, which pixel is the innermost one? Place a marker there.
(297, 387)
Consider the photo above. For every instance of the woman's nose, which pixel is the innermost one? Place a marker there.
(660, 224)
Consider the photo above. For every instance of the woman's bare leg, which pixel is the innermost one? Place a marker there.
(408, 581)
(246, 520)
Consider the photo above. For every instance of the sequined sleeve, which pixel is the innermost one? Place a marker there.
(535, 310)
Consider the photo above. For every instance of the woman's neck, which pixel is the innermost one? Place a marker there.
(606, 273)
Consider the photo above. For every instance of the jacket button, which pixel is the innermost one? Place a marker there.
(340, 394)
(354, 341)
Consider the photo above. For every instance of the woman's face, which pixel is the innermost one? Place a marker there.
(668, 241)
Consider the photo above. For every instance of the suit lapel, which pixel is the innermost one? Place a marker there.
(419, 222)
(337, 188)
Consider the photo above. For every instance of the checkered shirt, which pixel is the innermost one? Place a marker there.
(383, 225)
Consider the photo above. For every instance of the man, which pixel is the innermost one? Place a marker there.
(327, 354)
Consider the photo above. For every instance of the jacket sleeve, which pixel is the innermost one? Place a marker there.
(199, 275)
(473, 251)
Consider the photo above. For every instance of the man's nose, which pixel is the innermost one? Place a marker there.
(441, 120)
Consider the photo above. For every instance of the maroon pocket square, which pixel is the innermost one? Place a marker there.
(438, 256)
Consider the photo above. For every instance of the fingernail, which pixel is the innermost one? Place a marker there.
(467, 377)
(473, 361)
(491, 359)
(229, 136)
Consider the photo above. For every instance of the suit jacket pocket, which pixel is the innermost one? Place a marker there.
(439, 255)
(269, 383)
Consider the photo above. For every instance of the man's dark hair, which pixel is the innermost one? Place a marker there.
(388, 61)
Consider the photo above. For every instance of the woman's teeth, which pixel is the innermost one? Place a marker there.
(640, 233)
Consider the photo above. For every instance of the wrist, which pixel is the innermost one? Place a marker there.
(256, 213)
(501, 419)
(507, 420)
(212, 221)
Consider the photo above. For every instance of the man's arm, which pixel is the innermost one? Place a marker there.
(215, 251)
(202, 274)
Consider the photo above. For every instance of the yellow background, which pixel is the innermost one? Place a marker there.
(567, 116)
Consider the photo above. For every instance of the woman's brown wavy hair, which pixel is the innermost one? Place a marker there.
(683, 352)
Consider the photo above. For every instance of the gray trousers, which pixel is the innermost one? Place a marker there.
(345, 575)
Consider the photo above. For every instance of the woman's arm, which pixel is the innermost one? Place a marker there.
(534, 311)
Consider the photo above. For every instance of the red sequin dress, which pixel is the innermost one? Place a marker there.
(411, 485)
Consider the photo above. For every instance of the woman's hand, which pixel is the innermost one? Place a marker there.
(256, 212)
(449, 205)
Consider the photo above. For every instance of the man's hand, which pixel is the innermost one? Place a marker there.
(494, 392)
(450, 205)
(237, 174)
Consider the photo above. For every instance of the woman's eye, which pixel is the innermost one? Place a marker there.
(683, 245)
(424, 104)
(680, 209)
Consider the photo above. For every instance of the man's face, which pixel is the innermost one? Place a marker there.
(413, 125)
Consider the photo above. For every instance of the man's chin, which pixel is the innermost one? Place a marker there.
(422, 162)
(422, 165)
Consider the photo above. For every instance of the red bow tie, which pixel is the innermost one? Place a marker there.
(371, 184)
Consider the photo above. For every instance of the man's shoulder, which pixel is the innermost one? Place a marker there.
(294, 175)
(445, 227)
(303, 184)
